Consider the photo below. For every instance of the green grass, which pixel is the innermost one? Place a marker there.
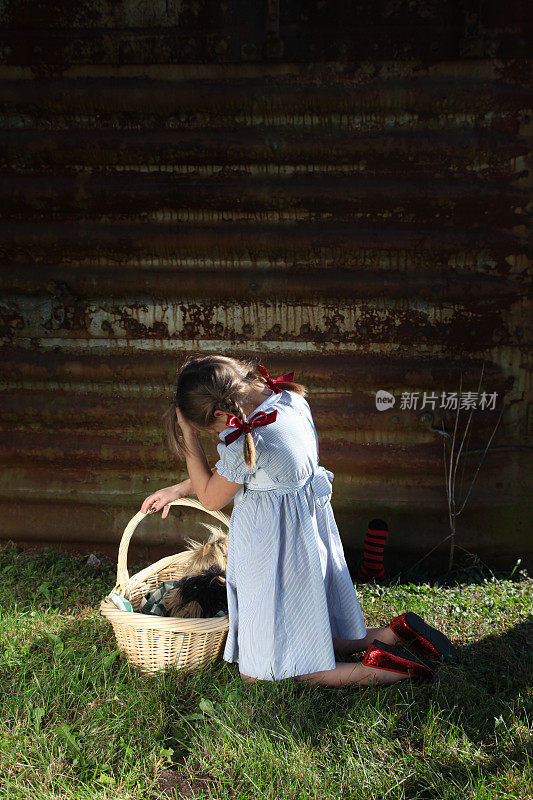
(465, 735)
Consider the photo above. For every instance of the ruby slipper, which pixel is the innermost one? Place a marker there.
(412, 629)
(396, 659)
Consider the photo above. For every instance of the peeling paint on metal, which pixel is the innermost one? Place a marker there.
(348, 197)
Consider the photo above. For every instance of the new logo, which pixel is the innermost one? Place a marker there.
(384, 400)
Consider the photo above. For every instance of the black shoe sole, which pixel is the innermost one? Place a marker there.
(403, 652)
(436, 638)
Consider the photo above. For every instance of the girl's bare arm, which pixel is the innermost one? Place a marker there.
(162, 497)
(213, 491)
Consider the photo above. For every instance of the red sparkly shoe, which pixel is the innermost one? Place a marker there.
(412, 629)
(396, 659)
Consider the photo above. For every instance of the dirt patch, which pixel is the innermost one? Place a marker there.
(177, 781)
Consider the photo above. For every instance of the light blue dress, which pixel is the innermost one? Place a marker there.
(288, 585)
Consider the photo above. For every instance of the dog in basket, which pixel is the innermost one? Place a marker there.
(201, 592)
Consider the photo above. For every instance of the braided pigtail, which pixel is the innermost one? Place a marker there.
(233, 407)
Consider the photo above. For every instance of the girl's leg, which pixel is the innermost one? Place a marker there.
(344, 674)
(349, 646)
(247, 679)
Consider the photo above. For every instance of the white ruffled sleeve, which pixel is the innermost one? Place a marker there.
(231, 464)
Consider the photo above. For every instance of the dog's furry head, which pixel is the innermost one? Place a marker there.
(213, 552)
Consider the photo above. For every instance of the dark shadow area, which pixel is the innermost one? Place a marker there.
(67, 568)
(458, 775)
(490, 674)
(50, 577)
(417, 568)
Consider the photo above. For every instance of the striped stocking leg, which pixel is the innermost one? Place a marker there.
(371, 566)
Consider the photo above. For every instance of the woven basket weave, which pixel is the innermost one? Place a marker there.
(154, 643)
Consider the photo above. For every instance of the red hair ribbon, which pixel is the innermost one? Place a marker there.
(272, 382)
(258, 420)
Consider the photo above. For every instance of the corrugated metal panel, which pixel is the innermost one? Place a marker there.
(341, 194)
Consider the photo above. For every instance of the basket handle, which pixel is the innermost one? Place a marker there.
(122, 564)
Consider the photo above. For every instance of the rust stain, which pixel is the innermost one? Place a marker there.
(301, 188)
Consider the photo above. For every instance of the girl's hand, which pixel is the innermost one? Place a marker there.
(188, 430)
(161, 499)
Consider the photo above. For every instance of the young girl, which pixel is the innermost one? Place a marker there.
(292, 604)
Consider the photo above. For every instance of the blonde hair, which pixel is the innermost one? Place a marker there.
(204, 556)
(207, 383)
(213, 552)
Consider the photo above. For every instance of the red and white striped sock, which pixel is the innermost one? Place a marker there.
(372, 564)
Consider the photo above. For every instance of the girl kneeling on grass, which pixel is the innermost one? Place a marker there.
(292, 604)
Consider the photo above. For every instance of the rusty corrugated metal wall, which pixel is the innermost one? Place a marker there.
(341, 189)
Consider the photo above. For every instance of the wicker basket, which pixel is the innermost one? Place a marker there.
(153, 643)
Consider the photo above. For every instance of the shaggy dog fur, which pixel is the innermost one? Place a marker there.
(202, 590)
(201, 595)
